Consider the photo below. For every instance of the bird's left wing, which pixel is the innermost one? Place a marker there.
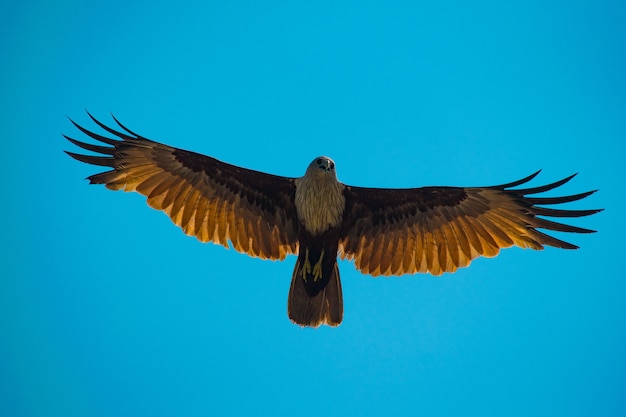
(207, 198)
(440, 229)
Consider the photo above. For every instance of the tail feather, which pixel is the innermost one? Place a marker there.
(326, 307)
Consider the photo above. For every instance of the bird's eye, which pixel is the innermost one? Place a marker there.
(332, 165)
(318, 161)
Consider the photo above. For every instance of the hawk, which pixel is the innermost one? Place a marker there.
(318, 218)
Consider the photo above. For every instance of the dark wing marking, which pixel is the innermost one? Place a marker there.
(209, 199)
(440, 229)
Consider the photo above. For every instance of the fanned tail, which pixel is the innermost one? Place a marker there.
(325, 307)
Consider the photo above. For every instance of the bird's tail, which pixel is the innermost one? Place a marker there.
(311, 310)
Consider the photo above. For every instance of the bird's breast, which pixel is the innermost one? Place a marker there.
(320, 203)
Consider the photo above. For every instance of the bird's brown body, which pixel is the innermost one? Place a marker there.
(384, 231)
(315, 292)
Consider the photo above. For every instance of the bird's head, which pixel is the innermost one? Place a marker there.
(321, 164)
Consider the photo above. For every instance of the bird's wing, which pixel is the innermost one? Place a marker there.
(209, 199)
(440, 229)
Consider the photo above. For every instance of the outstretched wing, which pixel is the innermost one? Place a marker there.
(440, 229)
(209, 199)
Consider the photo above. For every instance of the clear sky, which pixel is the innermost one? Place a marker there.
(108, 309)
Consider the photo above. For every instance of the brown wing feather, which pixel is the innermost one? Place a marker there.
(440, 229)
(207, 198)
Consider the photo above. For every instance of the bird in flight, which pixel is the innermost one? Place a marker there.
(318, 218)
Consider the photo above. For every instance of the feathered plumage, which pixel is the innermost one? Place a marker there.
(384, 231)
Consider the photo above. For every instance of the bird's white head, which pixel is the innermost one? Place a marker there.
(322, 164)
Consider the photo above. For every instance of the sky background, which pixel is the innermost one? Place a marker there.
(108, 309)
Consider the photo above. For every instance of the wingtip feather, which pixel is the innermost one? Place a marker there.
(125, 128)
(518, 182)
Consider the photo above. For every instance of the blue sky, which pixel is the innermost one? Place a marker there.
(107, 309)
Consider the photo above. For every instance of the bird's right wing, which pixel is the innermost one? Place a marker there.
(209, 199)
(440, 229)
